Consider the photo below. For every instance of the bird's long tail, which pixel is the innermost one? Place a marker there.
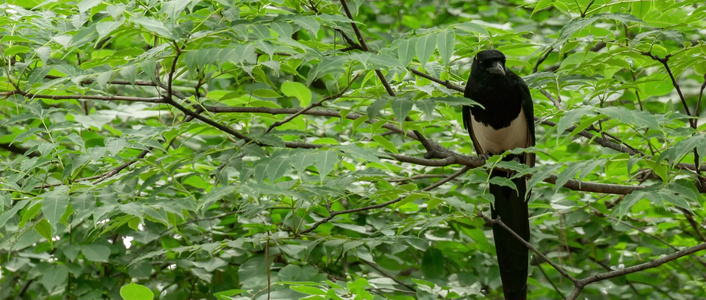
(511, 207)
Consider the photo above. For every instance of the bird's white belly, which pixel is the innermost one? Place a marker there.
(496, 141)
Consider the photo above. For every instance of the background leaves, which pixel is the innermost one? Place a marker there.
(240, 149)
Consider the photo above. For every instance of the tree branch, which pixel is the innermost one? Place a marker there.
(310, 106)
(664, 61)
(580, 284)
(542, 59)
(85, 97)
(115, 82)
(499, 222)
(427, 145)
(348, 211)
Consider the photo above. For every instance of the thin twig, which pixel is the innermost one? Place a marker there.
(312, 105)
(583, 13)
(551, 98)
(695, 225)
(544, 258)
(85, 97)
(664, 61)
(444, 83)
(607, 267)
(372, 265)
(348, 211)
(542, 59)
(558, 291)
(115, 82)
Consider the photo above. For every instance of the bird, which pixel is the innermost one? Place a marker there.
(503, 121)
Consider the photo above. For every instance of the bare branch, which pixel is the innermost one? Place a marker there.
(580, 284)
(444, 83)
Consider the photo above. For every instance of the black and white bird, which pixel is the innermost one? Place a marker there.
(504, 122)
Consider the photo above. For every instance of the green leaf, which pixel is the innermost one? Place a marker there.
(472, 27)
(297, 90)
(579, 23)
(309, 290)
(405, 51)
(85, 5)
(214, 195)
(401, 107)
(4, 217)
(376, 107)
(308, 23)
(433, 263)
(96, 252)
(632, 117)
(54, 276)
(425, 48)
(174, 8)
(446, 42)
(389, 146)
(570, 117)
(44, 53)
(43, 228)
(277, 166)
(427, 107)
(54, 204)
(11, 51)
(154, 26)
(686, 146)
(503, 181)
(107, 27)
(455, 101)
(325, 162)
(135, 291)
(542, 4)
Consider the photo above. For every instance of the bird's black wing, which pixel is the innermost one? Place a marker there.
(466, 111)
(528, 108)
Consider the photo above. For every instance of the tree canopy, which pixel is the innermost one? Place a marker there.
(219, 149)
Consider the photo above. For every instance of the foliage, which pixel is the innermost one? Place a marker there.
(249, 149)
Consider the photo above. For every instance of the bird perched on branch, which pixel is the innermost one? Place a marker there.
(506, 121)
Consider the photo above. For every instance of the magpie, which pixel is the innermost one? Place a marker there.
(505, 121)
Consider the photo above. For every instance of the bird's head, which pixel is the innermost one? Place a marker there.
(490, 62)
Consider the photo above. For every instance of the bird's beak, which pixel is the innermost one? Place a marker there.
(497, 68)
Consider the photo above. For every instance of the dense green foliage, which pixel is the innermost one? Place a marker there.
(161, 148)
